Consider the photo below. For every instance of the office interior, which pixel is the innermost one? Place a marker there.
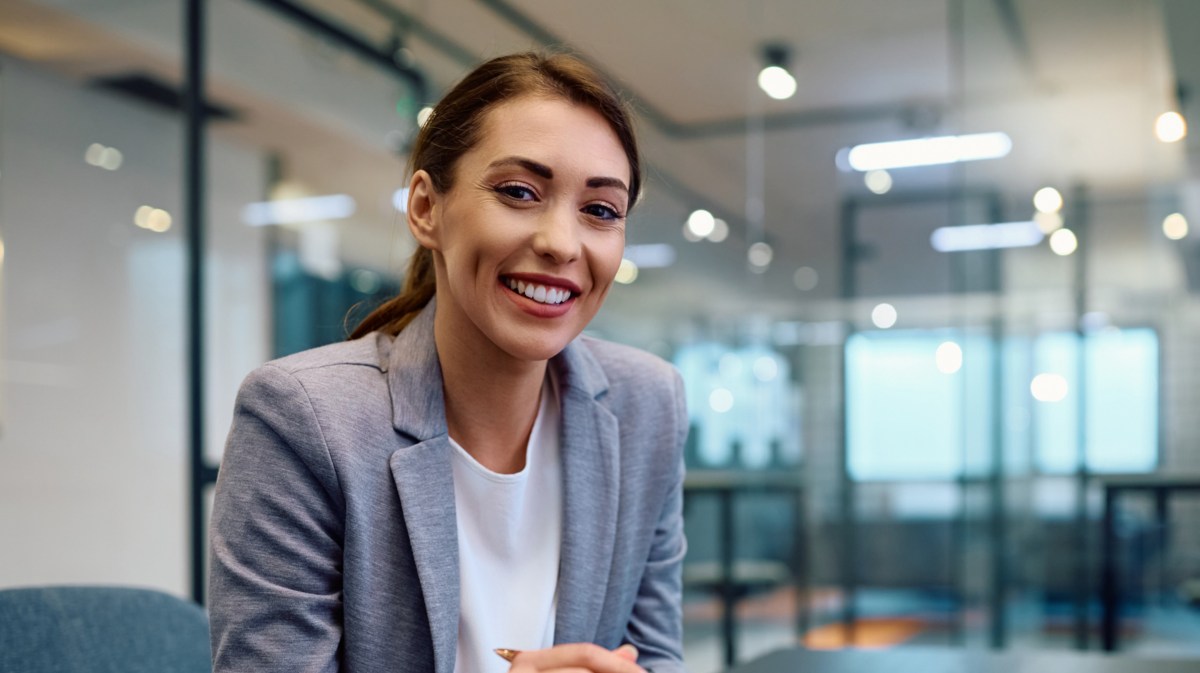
(941, 395)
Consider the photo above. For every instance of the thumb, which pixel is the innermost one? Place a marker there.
(627, 651)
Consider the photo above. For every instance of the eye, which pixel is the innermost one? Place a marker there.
(601, 211)
(515, 191)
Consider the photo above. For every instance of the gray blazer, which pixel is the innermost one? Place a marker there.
(333, 530)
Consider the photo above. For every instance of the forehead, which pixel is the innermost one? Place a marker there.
(562, 135)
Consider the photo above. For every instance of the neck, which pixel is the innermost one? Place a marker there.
(491, 398)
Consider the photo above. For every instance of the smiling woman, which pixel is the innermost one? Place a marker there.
(468, 472)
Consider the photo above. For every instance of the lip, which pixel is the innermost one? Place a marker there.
(532, 307)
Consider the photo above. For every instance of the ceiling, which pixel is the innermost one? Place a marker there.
(1075, 83)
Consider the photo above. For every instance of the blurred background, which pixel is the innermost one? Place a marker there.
(941, 393)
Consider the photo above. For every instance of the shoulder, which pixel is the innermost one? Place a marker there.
(366, 356)
(626, 365)
(641, 387)
(368, 351)
(320, 405)
(330, 374)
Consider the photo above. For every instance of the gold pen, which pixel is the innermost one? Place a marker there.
(507, 654)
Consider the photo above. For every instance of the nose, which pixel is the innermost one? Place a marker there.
(557, 237)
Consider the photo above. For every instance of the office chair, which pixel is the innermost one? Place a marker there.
(83, 629)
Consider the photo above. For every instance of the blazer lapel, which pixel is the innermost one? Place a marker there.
(425, 480)
(591, 470)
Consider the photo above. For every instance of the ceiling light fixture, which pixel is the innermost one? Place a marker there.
(928, 151)
(701, 223)
(1175, 226)
(1048, 200)
(1170, 127)
(306, 209)
(1063, 242)
(775, 79)
(986, 236)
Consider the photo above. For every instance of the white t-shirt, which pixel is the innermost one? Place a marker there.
(509, 537)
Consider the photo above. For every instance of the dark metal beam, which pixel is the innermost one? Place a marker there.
(193, 197)
(847, 492)
(1014, 30)
(386, 59)
(410, 24)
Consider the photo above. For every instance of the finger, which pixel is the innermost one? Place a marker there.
(627, 651)
(586, 656)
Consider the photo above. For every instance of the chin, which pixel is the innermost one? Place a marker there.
(535, 350)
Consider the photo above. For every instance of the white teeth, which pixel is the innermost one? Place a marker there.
(539, 293)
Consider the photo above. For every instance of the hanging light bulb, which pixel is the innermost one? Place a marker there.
(775, 79)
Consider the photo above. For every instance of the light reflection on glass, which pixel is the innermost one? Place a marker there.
(721, 400)
(1048, 387)
(760, 255)
(1063, 242)
(948, 357)
(1048, 200)
(805, 278)
(720, 230)
(884, 315)
(701, 223)
(878, 181)
(1175, 226)
(627, 272)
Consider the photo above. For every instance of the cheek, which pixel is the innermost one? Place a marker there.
(608, 259)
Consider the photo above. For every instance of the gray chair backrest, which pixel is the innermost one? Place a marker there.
(101, 630)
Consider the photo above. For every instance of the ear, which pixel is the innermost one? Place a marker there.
(423, 202)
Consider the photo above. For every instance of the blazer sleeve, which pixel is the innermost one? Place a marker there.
(656, 625)
(275, 589)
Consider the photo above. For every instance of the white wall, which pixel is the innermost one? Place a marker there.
(93, 480)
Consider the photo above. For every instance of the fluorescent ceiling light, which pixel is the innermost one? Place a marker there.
(929, 151)
(309, 209)
(651, 255)
(986, 236)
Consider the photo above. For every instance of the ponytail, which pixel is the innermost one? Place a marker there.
(395, 314)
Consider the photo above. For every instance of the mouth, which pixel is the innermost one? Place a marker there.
(542, 293)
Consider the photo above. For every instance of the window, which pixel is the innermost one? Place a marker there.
(909, 420)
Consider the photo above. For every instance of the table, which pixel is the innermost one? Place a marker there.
(947, 660)
(1162, 487)
(725, 484)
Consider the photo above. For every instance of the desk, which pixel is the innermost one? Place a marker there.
(725, 484)
(1162, 487)
(945, 660)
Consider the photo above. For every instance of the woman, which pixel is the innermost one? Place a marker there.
(468, 472)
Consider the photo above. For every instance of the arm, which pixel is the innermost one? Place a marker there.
(276, 532)
(656, 625)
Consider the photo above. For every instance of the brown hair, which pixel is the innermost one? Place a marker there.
(454, 127)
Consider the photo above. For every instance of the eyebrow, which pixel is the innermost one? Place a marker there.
(544, 171)
(594, 183)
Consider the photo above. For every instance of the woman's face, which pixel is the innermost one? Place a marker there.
(529, 237)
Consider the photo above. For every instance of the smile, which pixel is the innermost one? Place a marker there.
(539, 293)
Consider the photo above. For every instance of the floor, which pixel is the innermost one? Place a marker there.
(899, 619)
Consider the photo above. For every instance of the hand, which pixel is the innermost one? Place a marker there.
(578, 658)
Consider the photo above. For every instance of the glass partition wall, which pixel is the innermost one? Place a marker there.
(92, 459)
(912, 390)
